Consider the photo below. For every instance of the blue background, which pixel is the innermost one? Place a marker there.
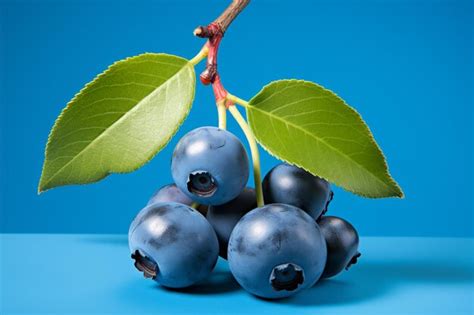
(406, 66)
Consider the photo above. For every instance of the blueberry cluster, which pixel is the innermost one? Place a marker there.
(273, 251)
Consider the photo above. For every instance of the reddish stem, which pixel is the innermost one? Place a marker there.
(209, 74)
(219, 91)
(215, 31)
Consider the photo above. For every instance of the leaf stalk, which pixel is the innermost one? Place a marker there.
(200, 56)
(236, 100)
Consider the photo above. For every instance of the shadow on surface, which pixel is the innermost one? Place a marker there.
(217, 283)
(220, 281)
(373, 279)
(337, 292)
(367, 280)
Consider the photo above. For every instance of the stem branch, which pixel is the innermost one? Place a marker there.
(230, 14)
(200, 55)
(254, 152)
(235, 100)
(223, 21)
(214, 32)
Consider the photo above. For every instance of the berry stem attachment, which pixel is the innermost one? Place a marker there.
(222, 112)
(254, 152)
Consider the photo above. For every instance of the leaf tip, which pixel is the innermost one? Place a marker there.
(41, 187)
(400, 193)
(44, 182)
(395, 190)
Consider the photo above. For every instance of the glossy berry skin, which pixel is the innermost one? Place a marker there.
(210, 165)
(292, 185)
(342, 242)
(173, 244)
(223, 218)
(276, 251)
(171, 193)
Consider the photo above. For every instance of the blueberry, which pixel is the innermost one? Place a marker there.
(173, 244)
(342, 242)
(171, 193)
(224, 217)
(276, 250)
(210, 165)
(292, 185)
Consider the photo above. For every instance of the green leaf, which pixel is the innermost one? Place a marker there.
(120, 120)
(304, 124)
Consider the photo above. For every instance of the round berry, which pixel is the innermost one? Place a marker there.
(173, 244)
(276, 251)
(210, 165)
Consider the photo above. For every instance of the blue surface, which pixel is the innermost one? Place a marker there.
(66, 274)
(406, 66)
